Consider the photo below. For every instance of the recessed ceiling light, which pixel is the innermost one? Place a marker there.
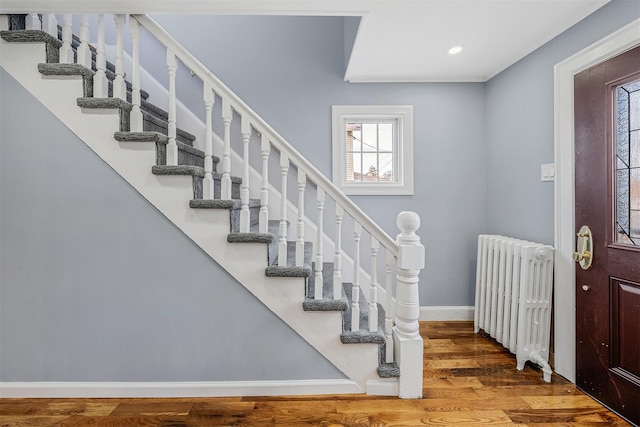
(456, 50)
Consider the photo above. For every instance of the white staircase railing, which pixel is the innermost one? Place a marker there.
(404, 254)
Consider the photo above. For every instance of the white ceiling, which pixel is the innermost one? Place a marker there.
(398, 40)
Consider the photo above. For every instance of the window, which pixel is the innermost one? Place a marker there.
(373, 149)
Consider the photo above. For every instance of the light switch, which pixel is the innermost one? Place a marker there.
(548, 172)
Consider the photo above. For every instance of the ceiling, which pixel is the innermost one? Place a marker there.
(397, 40)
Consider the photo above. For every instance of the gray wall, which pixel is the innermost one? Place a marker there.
(519, 118)
(97, 285)
(290, 70)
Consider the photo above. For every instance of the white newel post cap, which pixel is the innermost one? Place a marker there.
(412, 254)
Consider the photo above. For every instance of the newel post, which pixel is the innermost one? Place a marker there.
(407, 341)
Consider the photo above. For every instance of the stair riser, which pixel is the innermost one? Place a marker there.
(153, 124)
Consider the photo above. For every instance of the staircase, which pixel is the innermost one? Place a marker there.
(223, 202)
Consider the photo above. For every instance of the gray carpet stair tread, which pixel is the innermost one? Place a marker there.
(250, 237)
(388, 370)
(104, 103)
(141, 137)
(178, 170)
(362, 337)
(325, 305)
(29, 36)
(275, 271)
(64, 70)
(212, 204)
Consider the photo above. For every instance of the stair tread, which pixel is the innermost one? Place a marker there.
(362, 337)
(178, 170)
(29, 36)
(49, 69)
(104, 103)
(141, 137)
(388, 370)
(213, 203)
(325, 305)
(250, 237)
(276, 271)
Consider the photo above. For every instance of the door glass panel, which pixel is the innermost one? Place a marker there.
(627, 164)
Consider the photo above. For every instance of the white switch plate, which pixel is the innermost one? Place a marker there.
(548, 172)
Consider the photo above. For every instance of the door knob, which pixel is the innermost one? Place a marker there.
(584, 248)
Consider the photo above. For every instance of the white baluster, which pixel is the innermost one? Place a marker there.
(100, 82)
(172, 146)
(337, 257)
(245, 215)
(136, 121)
(83, 52)
(208, 183)
(408, 343)
(390, 307)
(355, 288)
(50, 24)
(66, 52)
(119, 85)
(282, 232)
(302, 182)
(225, 183)
(319, 280)
(263, 225)
(32, 22)
(373, 297)
(4, 22)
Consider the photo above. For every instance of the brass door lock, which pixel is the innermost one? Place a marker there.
(584, 248)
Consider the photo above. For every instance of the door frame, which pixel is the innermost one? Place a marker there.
(564, 195)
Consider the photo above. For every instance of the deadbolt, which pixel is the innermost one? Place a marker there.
(586, 287)
(584, 249)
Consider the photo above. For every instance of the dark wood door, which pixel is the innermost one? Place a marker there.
(607, 163)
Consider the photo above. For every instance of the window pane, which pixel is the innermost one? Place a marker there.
(634, 110)
(349, 167)
(635, 148)
(385, 136)
(370, 167)
(634, 190)
(627, 164)
(622, 125)
(369, 137)
(386, 168)
(357, 167)
(354, 136)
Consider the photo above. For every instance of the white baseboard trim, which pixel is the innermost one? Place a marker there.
(446, 313)
(174, 389)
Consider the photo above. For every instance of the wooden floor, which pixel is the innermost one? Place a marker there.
(468, 380)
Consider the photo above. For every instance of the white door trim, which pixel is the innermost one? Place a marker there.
(564, 196)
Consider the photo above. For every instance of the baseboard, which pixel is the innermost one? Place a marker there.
(446, 313)
(174, 389)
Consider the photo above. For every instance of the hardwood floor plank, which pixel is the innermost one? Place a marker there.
(154, 408)
(566, 415)
(561, 402)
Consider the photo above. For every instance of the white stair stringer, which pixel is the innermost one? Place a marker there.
(208, 228)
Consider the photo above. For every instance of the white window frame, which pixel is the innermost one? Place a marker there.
(403, 114)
